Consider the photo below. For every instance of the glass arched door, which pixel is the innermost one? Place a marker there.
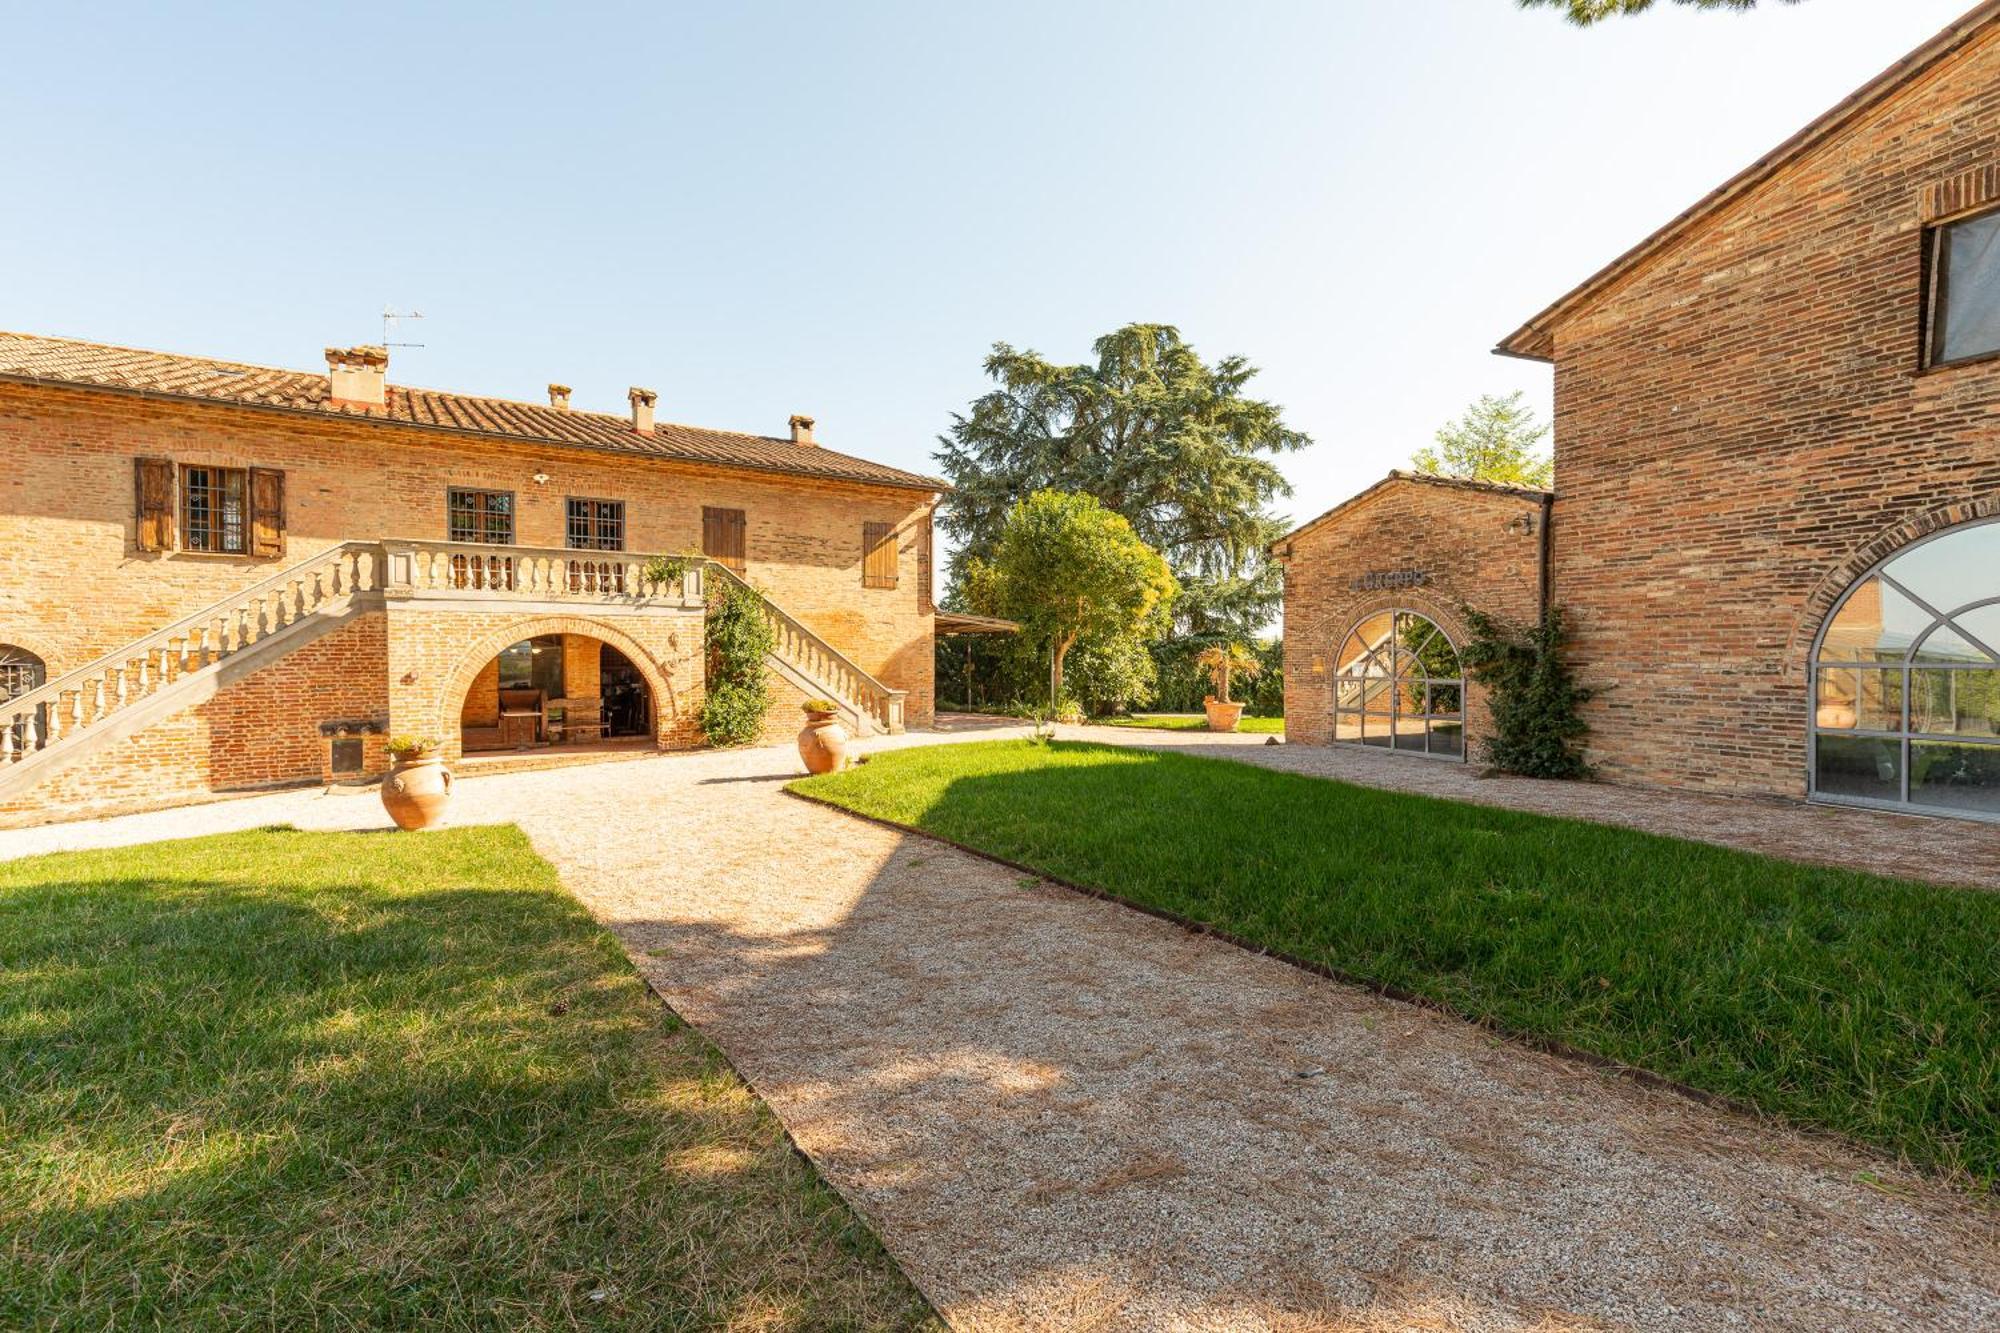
(1397, 684)
(21, 672)
(1906, 681)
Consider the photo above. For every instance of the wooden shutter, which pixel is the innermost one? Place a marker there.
(267, 512)
(878, 555)
(722, 537)
(154, 498)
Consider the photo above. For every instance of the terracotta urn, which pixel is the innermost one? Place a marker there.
(823, 742)
(417, 789)
(1222, 716)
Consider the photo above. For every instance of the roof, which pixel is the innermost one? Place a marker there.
(955, 622)
(1535, 340)
(1416, 478)
(31, 359)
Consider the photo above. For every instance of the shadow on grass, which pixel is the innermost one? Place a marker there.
(1840, 1000)
(305, 1078)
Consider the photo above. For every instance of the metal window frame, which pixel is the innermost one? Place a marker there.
(1397, 652)
(216, 526)
(1904, 736)
(513, 515)
(1937, 293)
(595, 521)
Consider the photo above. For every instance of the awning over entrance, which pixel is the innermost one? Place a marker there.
(952, 622)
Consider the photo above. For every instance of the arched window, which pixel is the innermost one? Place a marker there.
(1906, 681)
(20, 671)
(1397, 684)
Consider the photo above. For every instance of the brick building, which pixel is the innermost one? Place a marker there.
(1778, 462)
(220, 577)
(1374, 593)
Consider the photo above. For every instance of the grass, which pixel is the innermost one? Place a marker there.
(1256, 726)
(1836, 999)
(353, 1080)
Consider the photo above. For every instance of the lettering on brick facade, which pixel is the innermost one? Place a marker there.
(1375, 580)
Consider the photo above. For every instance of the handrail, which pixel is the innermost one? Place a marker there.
(123, 655)
(415, 566)
(890, 700)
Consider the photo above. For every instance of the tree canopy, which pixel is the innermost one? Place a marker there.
(1583, 13)
(1070, 570)
(1498, 439)
(1153, 433)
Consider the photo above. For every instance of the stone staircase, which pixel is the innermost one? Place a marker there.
(817, 668)
(185, 663)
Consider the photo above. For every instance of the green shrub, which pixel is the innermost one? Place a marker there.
(1538, 730)
(738, 638)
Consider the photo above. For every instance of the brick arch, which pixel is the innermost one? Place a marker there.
(32, 643)
(1331, 630)
(1833, 585)
(451, 699)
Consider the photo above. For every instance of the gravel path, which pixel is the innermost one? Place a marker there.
(1060, 1114)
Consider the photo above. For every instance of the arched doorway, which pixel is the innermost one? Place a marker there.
(1905, 681)
(628, 701)
(1398, 685)
(554, 689)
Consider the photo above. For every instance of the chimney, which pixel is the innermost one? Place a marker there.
(802, 429)
(559, 397)
(642, 409)
(357, 375)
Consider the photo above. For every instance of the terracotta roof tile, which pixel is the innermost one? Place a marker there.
(29, 358)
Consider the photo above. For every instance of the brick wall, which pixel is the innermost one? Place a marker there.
(260, 731)
(72, 585)
(1742, 426)
(1458, 536)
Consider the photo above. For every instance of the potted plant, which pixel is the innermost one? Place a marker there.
(419, 785)
(1222, 661)
(823, 741)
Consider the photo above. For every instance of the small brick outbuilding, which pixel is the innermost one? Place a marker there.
(1375, 590)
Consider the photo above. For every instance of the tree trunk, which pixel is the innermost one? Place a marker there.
(1062, 647)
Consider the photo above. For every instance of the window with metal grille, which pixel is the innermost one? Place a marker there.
(596, 525)
(481, 516)
(213, 510)
(20, 671)
(878, 555)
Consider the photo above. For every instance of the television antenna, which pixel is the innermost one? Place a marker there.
(391, 319)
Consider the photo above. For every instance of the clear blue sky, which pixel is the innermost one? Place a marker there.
(759, 209)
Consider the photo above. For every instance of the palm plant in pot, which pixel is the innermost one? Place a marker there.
(1223, 661)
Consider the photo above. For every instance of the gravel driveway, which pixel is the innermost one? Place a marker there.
(1060, 1114)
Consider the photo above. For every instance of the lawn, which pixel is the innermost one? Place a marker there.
(312, 1080)
(1839, 1000)
(1256, 726)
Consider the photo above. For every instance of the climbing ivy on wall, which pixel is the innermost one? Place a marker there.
(737, 638)
(1538, 726)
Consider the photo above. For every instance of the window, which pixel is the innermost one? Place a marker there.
(596, 525)
(481, 516)
(223, 510)
(1965, 289)
(21, 672)
(722, 537)
(1397, 684)
(214, 503)
(1906, 681)
(878, 555)
(345, 758)
(534, 664)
